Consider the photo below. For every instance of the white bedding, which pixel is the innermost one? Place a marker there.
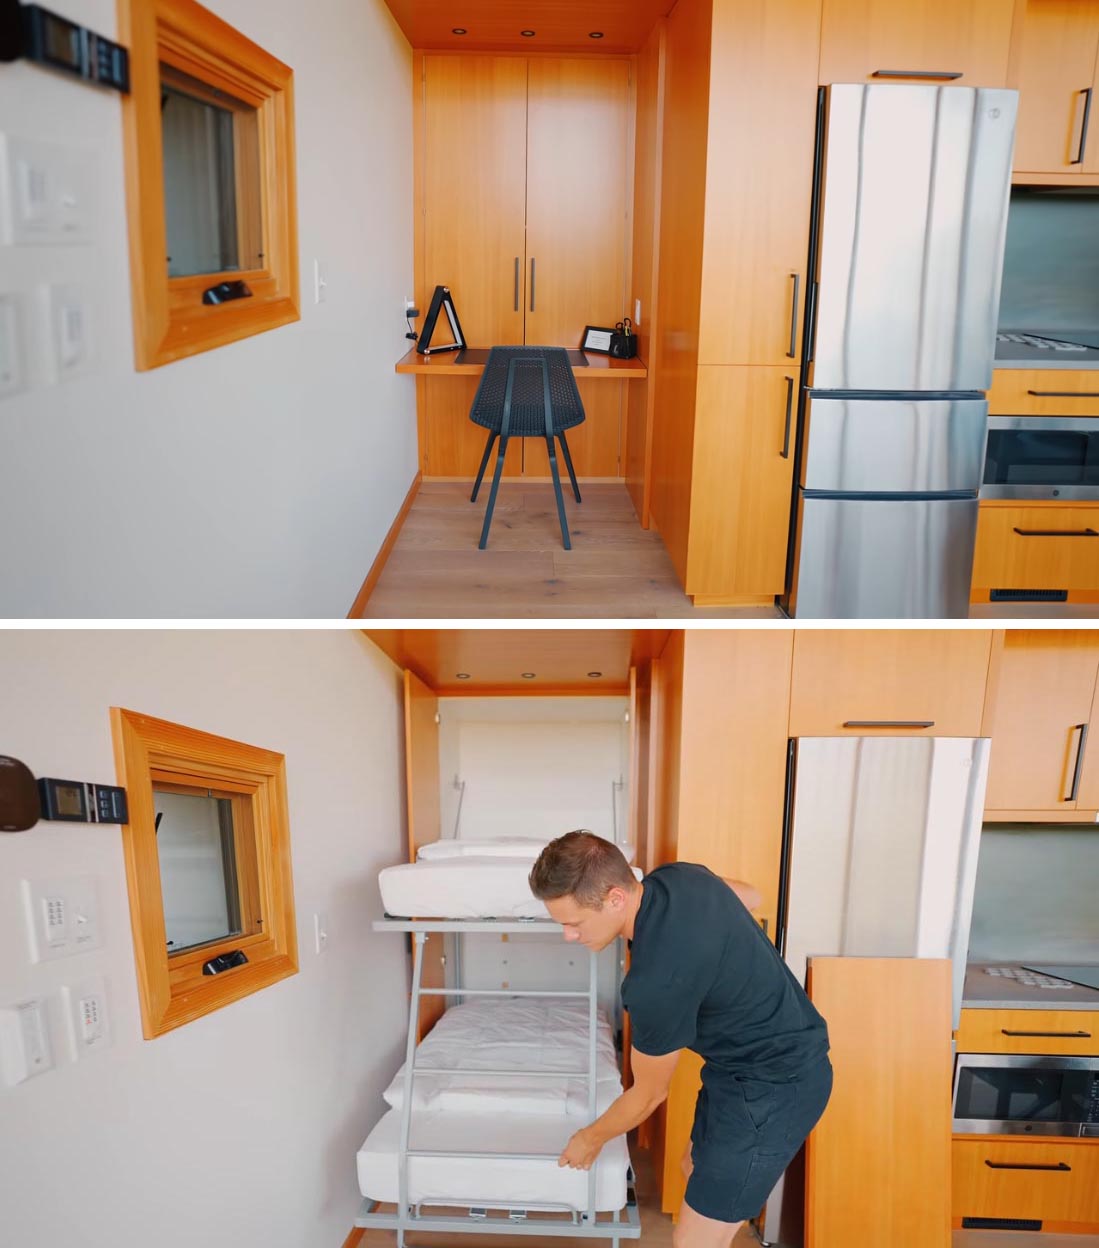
(453, 1112)
(528, 847)
(472, 887)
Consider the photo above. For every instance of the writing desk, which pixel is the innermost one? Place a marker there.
(598, 367)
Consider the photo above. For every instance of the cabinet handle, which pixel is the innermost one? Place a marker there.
(1059, 1166)
(1069, 1035)
(917, 73)
(532, 283)
(1083, 730)
(1057, 532)
(516, 284)
(1064, 394)
(794, 315)
(789, 411)
(889, 723)
(1086, 93)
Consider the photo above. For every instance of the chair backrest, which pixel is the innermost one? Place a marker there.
(528, 404)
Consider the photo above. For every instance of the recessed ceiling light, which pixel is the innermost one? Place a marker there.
(459, 30)
(595, 673)
(463, 675)
(527, 34)
(528, 675)
(596, 34)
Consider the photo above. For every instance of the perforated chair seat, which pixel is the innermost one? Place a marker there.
(527, 392)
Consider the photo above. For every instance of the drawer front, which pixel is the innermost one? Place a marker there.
(1055, 1182)
(1006, 1031)
(1050, 547)
(1044, 392)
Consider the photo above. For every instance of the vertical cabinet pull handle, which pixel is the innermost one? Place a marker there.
(532, 283)
(789, 409)
(794, 315)
(516, 284)
(1082, 729)
(1086, 93)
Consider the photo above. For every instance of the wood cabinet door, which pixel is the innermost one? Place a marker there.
(1044, 689)
(763, 73)
(578, 197)
(451, 444)
(1056, 50)
(863, 39)
(741, 481)
(474, 179)
(1087, 797)
(844, 681)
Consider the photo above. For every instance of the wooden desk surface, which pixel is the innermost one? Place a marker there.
(443, 365)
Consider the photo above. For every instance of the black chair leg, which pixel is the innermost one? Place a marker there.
(568, 465)
(484, 464)
(492, 493)
(560, 497)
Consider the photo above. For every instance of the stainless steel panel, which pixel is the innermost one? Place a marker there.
(899, 446)
(869, 559)
(1064, 490)
(913, 221)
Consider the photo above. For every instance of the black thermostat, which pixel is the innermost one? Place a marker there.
(36, 34)
(73, 801)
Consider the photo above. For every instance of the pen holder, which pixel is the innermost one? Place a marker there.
(623, 346)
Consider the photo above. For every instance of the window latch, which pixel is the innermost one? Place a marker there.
(224, 962)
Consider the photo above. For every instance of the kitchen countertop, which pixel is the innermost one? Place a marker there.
(995, 992)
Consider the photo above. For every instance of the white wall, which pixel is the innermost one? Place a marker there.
(259, 479)
(256, 1111)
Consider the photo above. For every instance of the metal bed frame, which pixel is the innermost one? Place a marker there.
(583, 1223)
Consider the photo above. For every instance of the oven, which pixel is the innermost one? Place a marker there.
(1020, 1094)
(1042, 457)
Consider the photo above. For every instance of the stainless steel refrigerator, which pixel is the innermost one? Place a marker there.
(879, 859)
(911, 189)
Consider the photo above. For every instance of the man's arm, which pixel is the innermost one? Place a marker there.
(652, 1077)
(748, 894)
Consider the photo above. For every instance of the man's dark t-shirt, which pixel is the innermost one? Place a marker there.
(703, 976)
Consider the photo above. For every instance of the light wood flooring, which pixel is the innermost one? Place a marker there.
(615, 570)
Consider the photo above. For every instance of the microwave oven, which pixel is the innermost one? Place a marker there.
(1020, 1094)
(1042, 457)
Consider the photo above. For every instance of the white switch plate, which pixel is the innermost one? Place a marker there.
(320, 286)
(12, 367)
(62, 916)
(637, 311)
(320, 931)
(24, 1041)
(69, 314)
(47, 192)
(87, 1016)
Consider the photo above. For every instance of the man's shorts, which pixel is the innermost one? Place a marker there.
(746, 1132)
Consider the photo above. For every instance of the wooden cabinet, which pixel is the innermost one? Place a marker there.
(845, 681)
(1055, 1182)
(1037, 546)
(1044, 392)
(1029, 1031)
(1057, 43)
(1043, 691)
(929, 40)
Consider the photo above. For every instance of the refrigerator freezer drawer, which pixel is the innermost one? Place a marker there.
(883, 559)
(913, 446)
(911, 236)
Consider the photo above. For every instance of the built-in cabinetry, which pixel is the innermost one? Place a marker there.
(1068, 1032)
(1042, 707)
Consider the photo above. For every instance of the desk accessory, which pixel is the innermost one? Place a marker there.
(441, 300)
(596, 338)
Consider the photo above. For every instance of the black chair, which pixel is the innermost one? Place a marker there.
(527, 392)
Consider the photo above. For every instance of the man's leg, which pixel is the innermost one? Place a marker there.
(695, 1231)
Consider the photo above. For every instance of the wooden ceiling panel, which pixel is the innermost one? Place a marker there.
(559, 25)
(494, 659)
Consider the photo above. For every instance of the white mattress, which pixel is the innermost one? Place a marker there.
(512, 1114)
(492, 847)
(462, 888)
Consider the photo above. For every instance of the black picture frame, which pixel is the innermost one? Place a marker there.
(596, 329)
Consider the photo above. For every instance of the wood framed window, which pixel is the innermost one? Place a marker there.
(210, 181)
(207, 854)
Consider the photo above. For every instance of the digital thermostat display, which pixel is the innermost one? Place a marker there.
(70, 800)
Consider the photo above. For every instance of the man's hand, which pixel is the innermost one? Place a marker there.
(581, 1151)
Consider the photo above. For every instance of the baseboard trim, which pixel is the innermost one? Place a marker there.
(723, 600)
(377, 567)
(1075, 597)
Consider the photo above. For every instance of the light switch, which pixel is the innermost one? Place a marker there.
(69, 322)
(24, 1041)
(320, 286)
(48, 192)
(87, 1016)
(320, 931)
(11, 347)
(62, 916)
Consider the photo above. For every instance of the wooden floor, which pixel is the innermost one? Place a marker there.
(615, 570)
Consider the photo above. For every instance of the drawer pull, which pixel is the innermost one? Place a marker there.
(794, 316)
(889, 723)
(1060, 1166)
(1082, 729)
(789, 412)
(1064, 394)
(1057, 532)
(1071, 1035)
(1086, 93)
(916, 73)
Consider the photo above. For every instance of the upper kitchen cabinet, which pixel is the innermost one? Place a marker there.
(963, 41)
(1042, 702)
(888, 681)
(1056, 47)
(763, 60)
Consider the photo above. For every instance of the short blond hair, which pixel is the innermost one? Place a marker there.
(580, 865)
